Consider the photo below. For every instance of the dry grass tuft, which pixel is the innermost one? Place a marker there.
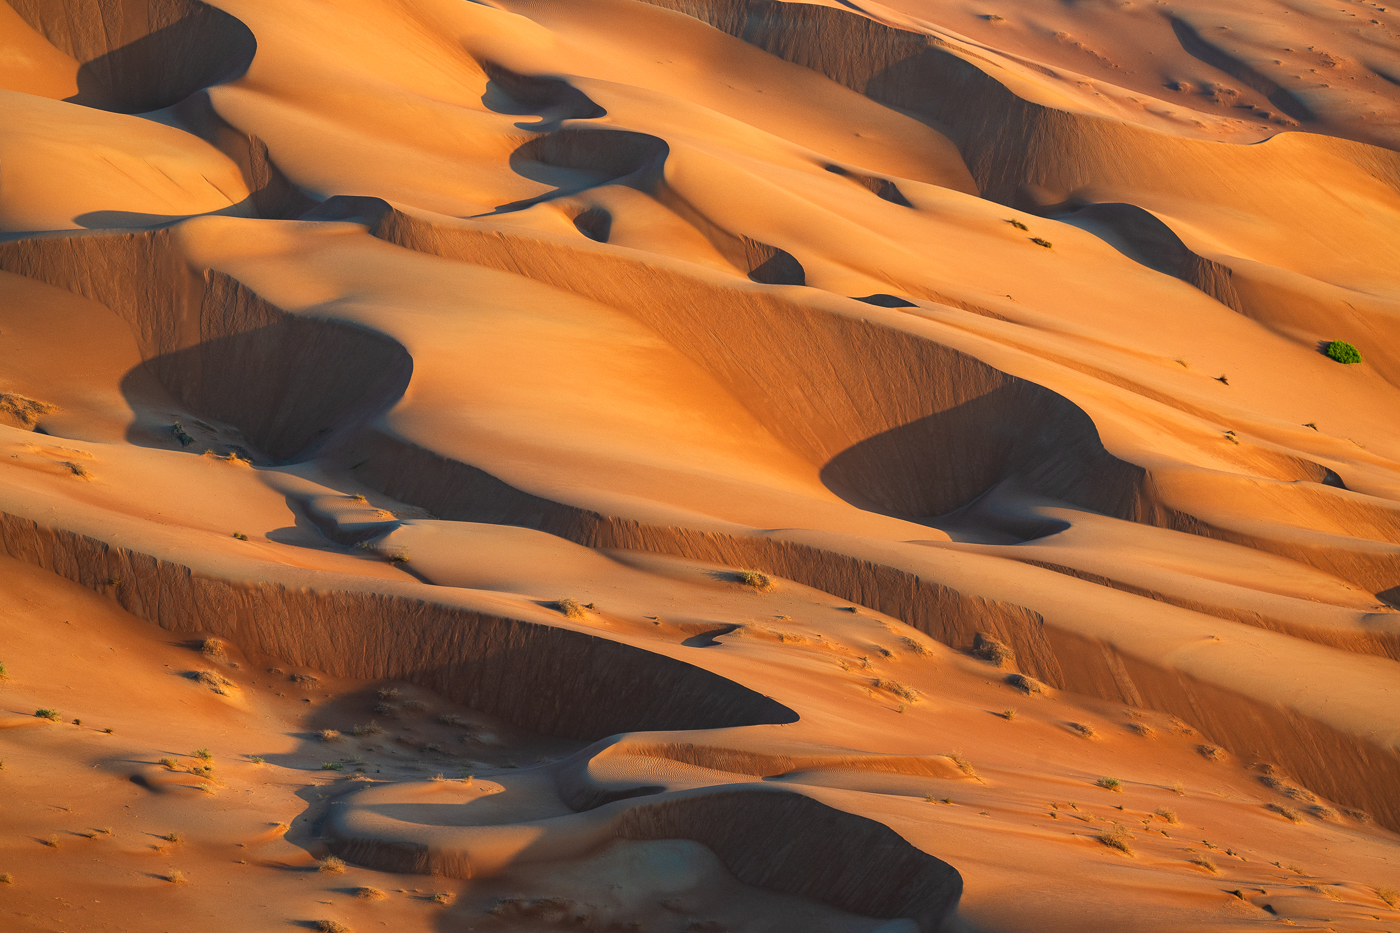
(1168, 815)
(990, 649)
(759, 581)
(441, 898)
(1008, 714)
(453, 719)
(203, 754)
(372, 728)
(387, 693)
(24, 409)
(176, 877)
(1141, 728)
(1288, 813)
(1325, 813)
(328, 735)
(331, 926)
(332, 864)
(1108, 783)
(1179, 789)
(1116, 837)
(172, 837)
(1211, 752)
(571, 608)
(1084, 729)
(918, 648)
(370, 894)
(1204, 862)
(1027, 685)
(964, 765)
(897, 688)
(212, 648)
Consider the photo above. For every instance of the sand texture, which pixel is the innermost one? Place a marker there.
(699, 466)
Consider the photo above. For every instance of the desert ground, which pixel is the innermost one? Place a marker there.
(684, 466)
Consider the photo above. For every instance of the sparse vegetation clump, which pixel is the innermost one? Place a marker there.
(52, 715)
(1204, 862)
(917, 647)
(332, 766)
(571, 608)
(1108, 783)
(331, 926)
(1008, 714)
(332, 864)
(1013, 221)
(964, 765)
(897, 688)
(387, 693)
(4, 672)
(1116, 837)
(1288, 813)
(370, 728)
(759, 581)
(212, 648)
(6, 878)
(24, 409)
(1168, 815)
(172, 837)
(203, 754)
(176, 877)
(1040, 241)
(1343, 352)
(1027, 685)
(1084, 729)
(990, 649)
(1389, 895)
(1141, 728)
(370, 894)
(328, 735)
(1211, 752)
(170, 763)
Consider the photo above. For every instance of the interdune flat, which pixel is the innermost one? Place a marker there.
(699, 465)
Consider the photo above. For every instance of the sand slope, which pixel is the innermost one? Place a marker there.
(698, 465)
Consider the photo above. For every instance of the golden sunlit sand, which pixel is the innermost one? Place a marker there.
(689, 466)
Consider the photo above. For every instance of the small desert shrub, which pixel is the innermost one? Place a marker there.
(332, 766)
(328, 735)
(1343, 352)
(963, 765)
(332, 864)
(1027, 685)
(1108, 783)
(50, 714)
(1141, 728)
(1038, 241)
(387, 693)
(398, 558)
(1084, 729)
(452, 719)
(917, 647)
(176, 877)
(1361, 816)
(170, 763)
(3, 672)
(417, 706)
(25, 409)
(372, 728)
(1325, 813)
(1204, 862)
(370, 894)
(240, 536)
(7, 878)
(1168, 815)
(255, 759)
(172, 837)
(440, 898)
(1013, 221)
(305, 681)
(759, 581)
(989, 649)
(212, 647)
(1211, 752)
(203, 754)
(571, 608)
(1008, 714)
(1288, 813)
(331, 926)
(1116, 837)
(897, 688)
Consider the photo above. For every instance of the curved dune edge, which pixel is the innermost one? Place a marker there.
(458, 491)
(769, 838)
(143, 56)
(549, 680)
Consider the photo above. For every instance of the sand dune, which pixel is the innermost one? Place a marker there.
(699, 465)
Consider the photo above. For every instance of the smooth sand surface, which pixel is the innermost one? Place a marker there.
(699, 465)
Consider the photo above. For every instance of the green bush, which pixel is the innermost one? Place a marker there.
(1343, 352)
